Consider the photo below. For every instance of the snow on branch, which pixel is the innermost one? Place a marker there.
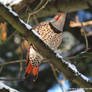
(30, 28)
(69, 70)
(73, 67)
(22, 22)
(10, 2)
(3, 86)
(77, 90)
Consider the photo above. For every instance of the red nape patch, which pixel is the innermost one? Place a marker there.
(57, 18)
(29, 68)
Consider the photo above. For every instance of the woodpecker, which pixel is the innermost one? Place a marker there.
(51, 33)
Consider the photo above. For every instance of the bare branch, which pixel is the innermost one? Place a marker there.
(55, 75)
(5, 88)
(36, 11)
(11, 79)
(78, 24)
(12, 62)
(57, 5)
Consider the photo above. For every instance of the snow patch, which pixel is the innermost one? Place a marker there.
(77, 90)
(69, 64)
(14, 13)
(11, 11)
(2, 85)
(84, 77)
(58, 55)
(27, 25)
(37, 34)
(29, 28)
(14, 2)
(10, 2)
(73, 67)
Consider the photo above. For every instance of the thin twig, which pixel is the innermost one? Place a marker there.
(39, 5)
(69, 58)
(36, 11)
(55, 75)
(28, 18)
(21, 63)
(35, 19)
(11, 36)
(12, 62)
(11, 79)
(1, 68)
(85, 36)
(80, 55)
(20, 70)
(78, 24)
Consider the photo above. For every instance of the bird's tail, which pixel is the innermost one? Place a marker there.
(31, 71)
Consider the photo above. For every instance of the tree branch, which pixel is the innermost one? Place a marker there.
(12, 62)
(5, 88)
(68, 69)
(56, 5)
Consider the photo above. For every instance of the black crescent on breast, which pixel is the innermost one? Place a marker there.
(54, 29)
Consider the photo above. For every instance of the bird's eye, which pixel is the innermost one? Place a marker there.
(58, 17)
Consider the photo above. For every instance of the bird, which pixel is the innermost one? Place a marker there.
(51, 33)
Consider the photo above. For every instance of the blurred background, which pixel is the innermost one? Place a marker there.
(77, 38)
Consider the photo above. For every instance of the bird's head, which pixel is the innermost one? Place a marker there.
(58, 21)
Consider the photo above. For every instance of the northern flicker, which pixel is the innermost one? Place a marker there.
(51, 34)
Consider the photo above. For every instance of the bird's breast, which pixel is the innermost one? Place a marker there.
(51, 38)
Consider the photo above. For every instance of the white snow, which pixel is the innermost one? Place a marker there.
(10, 2)
(37, 34)
(84, 77)
(73, 67)
(10, 10)
(2, 85)
(58, 55)
(77, 90)
(14, 13)
(14, 2)
(27, 25)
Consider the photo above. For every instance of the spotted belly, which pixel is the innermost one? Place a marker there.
(50, 38)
